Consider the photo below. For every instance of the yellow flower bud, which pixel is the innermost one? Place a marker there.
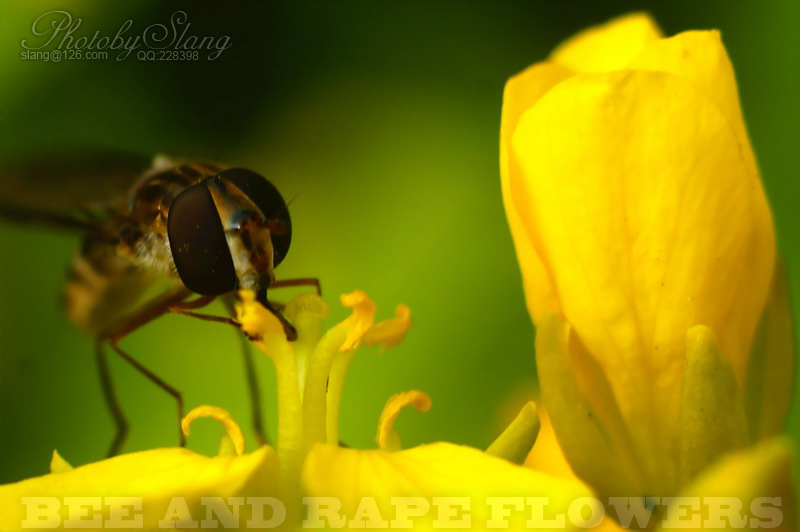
(647, 251)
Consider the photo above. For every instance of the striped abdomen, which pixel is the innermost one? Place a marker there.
(115, 266)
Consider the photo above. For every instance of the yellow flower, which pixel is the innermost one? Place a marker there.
(368, 483)
(763, 471)
(424, 486)
(425, 483)
(137, 489)
(648, 256)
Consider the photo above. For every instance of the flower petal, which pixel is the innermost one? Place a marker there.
(771, 370)
(748, 476)
(521, 92)
(634, 190)
(156, 476)
(610, 46)
(387, 437)
(428, 471)
(701, 58)
(546, 455)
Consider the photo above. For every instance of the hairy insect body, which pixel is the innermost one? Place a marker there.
(118, 262)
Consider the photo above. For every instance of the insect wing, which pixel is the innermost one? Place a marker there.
(68, 181)
(67, 190)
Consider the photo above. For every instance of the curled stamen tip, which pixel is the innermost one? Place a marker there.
(307, 304)
(360, 320)
(390, 332)
(221, 415)
(388, 439)
(354, 298)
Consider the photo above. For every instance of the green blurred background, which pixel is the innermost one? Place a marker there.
(382, 120)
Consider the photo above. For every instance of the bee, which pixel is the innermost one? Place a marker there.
(208, 231)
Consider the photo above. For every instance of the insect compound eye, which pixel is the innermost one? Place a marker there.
(270, 202)
(198, 244)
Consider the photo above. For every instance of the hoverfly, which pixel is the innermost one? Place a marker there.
(209, 231)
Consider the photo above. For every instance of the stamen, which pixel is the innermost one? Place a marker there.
(335, 387)
(390, 332)
(221, 415)
(388, 439)
(310, 371)
(256, 321)
(315, 404)
(360, 320)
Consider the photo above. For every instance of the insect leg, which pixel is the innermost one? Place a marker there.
(112, 402)
(277, 308)
(277, 311)
(155, 380)
(304, 281)
(185, 308)
(150, 311)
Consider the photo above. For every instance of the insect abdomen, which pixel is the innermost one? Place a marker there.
(109, 275)
(101, 285)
